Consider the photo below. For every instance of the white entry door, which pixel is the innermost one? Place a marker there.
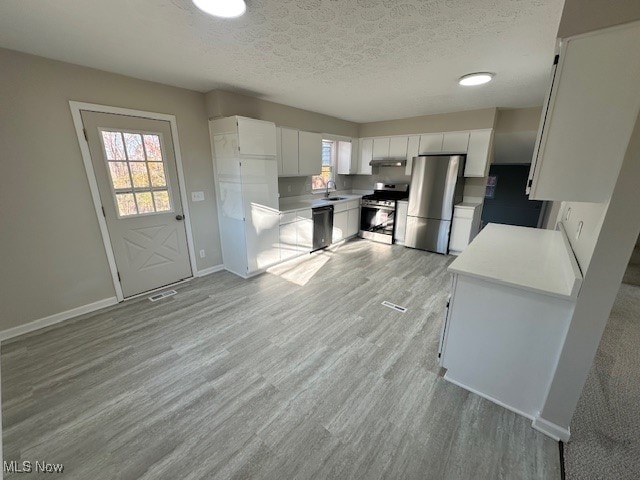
(135, 168)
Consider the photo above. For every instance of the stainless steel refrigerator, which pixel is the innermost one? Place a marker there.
(437, 183)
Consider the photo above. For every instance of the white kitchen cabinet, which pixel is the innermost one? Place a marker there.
(355, 154)
(398, 147)
(455, 142)
(345, 157)
(464, 226)
(413, 150)
(479, 153)
(246, 194)
(304, 231)
(588, 117)
(431, 143)
(256, 137)
(366, 155)
(401, 221)
(288, 241)
(381, 148)
(289, 152)
(309, 153)
(353, 225)
(340, 226)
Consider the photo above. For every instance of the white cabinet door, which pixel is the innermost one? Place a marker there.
(455, 142)
(279, 150)
(366, 155)
(344, 158)
(304, 231)
(431, 143)
(353, 222)
(401, 221)
(289, 152)
(398, 147)
(309, 153)
(340, 226)
(355, 154)
(380, 148)
(591, 112)
(256, 137)
(460, 233)
(288, 241)
(477, 163)
(413, 150)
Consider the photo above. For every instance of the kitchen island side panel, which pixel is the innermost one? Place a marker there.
(504, 342)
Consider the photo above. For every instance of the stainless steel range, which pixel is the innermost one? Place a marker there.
(377, 214)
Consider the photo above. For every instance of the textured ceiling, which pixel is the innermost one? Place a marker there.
(361, 60)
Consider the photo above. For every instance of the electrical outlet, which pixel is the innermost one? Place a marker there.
(197, 196)
(579, 231)
(203, 254)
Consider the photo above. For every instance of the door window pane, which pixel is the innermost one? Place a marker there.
(133, 141)
(113, 146)
(119, 175)
(145, 202)
(126, 204)
(156, 169)
(137, 171)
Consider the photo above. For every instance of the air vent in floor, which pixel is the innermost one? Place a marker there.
(161, 295)
(395, 307)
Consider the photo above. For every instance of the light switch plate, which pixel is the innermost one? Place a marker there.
(197, 196)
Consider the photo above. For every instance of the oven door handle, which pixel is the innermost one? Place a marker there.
(372, 207)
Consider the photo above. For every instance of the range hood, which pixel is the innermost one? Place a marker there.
(388, 162)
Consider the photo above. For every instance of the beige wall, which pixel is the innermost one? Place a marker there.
(580, 16)
(511, 120)
(53, 258)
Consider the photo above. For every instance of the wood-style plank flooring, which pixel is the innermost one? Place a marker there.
(298, 373)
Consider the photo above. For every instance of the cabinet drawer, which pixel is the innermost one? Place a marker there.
(353, 204)
(463, 212)
(340, 207)
(306, 213)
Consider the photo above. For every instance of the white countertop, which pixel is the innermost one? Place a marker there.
(296, 203)
(529, 258)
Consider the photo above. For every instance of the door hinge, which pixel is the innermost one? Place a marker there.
(103, 214)
(119, 279)
(86, 137)
(556, 59)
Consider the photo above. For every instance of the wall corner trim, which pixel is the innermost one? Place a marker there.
(56, 318)
(209, 271)
(550, 429)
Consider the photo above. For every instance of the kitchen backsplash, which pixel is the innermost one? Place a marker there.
(298, 186)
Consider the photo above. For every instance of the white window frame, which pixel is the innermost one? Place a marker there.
(334, 165)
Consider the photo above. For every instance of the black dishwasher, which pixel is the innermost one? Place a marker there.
(322, 227)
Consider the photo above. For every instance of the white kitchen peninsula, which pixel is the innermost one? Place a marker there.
(514, 292)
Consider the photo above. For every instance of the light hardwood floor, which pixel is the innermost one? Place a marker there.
(299, 373)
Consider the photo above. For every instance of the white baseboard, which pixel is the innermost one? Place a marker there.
(448, 378)
(551, 429)
(56, 318)
(209, 271)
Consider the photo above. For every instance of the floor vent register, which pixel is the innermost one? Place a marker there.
(393, 306)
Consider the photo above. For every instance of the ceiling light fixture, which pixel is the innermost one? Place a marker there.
(222, 8)
(478, 78)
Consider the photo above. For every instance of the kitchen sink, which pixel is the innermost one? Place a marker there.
(335, 199)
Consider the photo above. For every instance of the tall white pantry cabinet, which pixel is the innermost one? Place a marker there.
(246, 175)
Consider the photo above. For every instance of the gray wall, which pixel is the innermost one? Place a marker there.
(53, 257)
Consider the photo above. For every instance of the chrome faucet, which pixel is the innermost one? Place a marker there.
(326, 194)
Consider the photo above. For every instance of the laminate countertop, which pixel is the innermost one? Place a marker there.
(529, 258)
(301, 204)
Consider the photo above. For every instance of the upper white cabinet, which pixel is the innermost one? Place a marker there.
(309, 153)
(478, 153)
(455, 142)
(588, 117)
(431, 143)
(345, 157)
(279, 150)
(300, 153)
(381, 148)
(398, 147)
(256, 137)
(413, 150)
(366, 155)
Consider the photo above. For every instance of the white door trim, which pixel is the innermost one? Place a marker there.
(76, 108)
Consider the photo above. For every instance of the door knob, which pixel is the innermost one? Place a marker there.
(179, 217)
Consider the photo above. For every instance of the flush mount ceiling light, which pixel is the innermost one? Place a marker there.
(478, 78)
(222, 8)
